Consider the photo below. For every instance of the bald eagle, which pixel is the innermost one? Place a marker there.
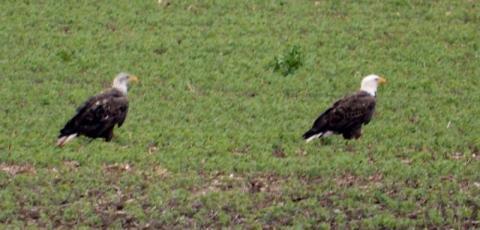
(347, 115)
(97, 117)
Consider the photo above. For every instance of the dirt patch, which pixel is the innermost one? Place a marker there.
(246, 183)
(161, 171)
(242, 150)
(71, 165)
(13, 169)
(117, 168)
(279, 152)
(349, 179)
(112, 209)
(265, 183)
(219, 182)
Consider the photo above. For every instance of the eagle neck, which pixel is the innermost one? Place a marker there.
(120, 87)
(369, 89)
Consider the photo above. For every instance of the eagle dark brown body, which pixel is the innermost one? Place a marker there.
(346, 117)
(97, 117)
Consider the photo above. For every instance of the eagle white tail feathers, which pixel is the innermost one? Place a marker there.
(318, 135)
(313, 137)
(65, 139)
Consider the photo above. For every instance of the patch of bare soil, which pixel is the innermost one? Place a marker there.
(348, 179)
(13, 169)
(223, 182)
(117, 168)
(112, 209)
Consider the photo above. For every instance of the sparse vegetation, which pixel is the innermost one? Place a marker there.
(213, 137)
(289, 62)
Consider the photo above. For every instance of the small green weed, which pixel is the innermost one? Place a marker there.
(289, 62)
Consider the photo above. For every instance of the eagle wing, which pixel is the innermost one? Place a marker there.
(121, 106)
(351, 112)
(98, 115)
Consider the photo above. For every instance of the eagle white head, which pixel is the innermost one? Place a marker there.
(121, 81)
(370, 83)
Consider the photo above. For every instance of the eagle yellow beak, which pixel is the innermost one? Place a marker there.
(381, 80)
(133, 78)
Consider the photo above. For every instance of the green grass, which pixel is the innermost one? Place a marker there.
(212, 138)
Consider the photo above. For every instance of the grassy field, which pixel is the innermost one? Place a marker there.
(227, 88)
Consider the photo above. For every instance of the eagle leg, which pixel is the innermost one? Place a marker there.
(350, 134)
(357, 134)
(108, 135)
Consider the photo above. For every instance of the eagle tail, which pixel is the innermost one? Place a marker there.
(67, 133)
(62, 140)
(312, 134)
